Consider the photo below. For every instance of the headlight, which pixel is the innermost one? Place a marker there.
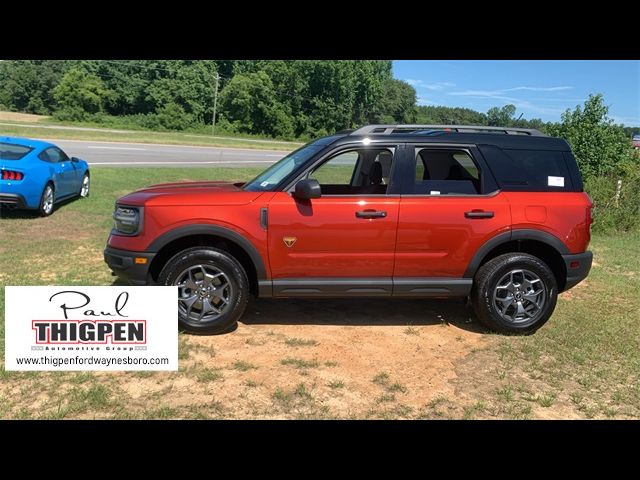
(127, 220)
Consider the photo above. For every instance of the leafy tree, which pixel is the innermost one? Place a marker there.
(27, 86)
(250, 105)
(600, 146)
(437, 115)
(397, 104)
(501, 117)
(79, 94)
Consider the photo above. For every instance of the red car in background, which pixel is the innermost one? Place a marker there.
(636, 140)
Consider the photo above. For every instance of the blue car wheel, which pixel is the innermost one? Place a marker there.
(46, 201)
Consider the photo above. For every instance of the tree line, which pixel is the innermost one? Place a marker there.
(287, 99)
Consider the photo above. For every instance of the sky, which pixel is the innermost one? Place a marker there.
(538, 88)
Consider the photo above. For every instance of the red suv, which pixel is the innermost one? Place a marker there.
(498, 215)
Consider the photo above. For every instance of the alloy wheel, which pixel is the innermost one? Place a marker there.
(520, 296)
(204, 293)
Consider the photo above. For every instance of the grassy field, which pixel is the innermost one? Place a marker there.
(13, 124)
(345, 359)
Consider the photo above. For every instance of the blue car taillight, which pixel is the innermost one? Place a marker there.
(11, 175)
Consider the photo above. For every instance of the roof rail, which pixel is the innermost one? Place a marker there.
(388, 129)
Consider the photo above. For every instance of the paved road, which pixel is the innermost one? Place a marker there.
(111, 154)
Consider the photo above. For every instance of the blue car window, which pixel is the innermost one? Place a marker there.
(44, 156)
(53, 155)
(11, 151)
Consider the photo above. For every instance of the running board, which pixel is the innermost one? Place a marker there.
(366, 287)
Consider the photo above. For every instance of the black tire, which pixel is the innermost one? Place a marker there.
(81, 192)
(236, 278)
(485, 285)
(45, 208)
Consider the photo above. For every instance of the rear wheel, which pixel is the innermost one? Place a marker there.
(514, 293)
(47, 200)
(213, 289)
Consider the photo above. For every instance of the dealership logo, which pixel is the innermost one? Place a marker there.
(88, 328)
(54, 332)
(116, 328)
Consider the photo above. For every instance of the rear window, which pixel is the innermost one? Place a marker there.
(530, 170)
(11, 151)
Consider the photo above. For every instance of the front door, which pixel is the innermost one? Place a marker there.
(343, 242)
(65, 172)
(448, 210)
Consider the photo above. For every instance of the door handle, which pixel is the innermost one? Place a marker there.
(478, 214)
(371, 214)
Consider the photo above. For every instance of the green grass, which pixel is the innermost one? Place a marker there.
(299, 363)
(335, 384)
(243, 366)
(208, 375)
(300, 342)
(383, 380)
(588, 355)
(143, 136)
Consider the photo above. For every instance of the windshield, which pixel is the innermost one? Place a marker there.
(268, 180)
(11, 151)
(636, 137)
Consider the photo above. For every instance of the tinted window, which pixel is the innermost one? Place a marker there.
(365, 171)
(442, 171)
(53, 155)
(10, 151)
(536, 170)
(274, 175)
(338, 170)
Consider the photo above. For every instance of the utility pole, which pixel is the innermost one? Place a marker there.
(215, 105)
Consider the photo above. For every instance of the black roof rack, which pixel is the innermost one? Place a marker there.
(389, 129)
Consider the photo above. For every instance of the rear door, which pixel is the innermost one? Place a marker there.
(450, 206)
(343, 242)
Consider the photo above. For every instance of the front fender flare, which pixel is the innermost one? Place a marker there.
(206, 229)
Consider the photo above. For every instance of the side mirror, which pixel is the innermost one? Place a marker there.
(307, 189)
(75, 159)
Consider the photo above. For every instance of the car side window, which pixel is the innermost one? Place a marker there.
(44, 155)
(53, 155)
(355, 172)
(62, 157)
(442, 171)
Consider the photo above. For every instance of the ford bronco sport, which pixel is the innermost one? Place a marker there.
(494, 214)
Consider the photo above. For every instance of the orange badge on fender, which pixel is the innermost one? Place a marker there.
(289, 241)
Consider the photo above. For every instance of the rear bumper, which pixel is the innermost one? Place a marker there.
(578, 267)
(123, 264)
(14, 200)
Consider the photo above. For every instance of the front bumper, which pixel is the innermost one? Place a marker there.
(123, 264)
(578, 267)
(14, 200)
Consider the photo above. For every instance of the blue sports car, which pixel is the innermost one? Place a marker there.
(35, 175)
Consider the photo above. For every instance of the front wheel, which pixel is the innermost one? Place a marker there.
(84, 186)
(514, 293)
(213, 289)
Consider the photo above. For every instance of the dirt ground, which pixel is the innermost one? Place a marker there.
(357, 358)
(20, 117)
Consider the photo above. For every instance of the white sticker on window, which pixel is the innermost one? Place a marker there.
(264, 184)
(434, 192)
(555, 181)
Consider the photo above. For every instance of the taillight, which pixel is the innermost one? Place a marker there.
(11, 175)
